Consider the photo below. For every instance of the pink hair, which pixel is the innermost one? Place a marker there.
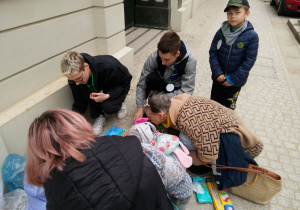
(52, 138)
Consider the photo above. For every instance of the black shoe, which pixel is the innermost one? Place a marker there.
(199, 170)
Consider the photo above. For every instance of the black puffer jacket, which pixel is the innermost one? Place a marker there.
(115, 175)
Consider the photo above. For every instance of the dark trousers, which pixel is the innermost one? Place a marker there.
(81, 95)
(155, 83)
(227, 96)
(111, 106)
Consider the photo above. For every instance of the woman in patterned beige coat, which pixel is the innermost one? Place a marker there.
(202, 121)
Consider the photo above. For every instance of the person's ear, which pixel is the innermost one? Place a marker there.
(85, 65)
(177, 54)
(247, 13)
(161, 115)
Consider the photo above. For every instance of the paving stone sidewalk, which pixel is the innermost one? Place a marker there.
(266, 104)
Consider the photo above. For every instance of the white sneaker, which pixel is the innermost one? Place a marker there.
(122, 112)
(98, 125)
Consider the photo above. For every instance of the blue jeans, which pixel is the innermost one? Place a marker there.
(186, 141)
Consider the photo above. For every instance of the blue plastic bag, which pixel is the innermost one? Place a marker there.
(13, 171)
(36, 196)
(114, 131)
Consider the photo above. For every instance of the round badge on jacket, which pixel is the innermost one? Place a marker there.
(219, 44)
(170, 87)
(241, 44)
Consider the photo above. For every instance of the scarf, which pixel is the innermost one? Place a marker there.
(230, 37)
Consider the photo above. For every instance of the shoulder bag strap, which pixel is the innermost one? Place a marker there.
(257, 169)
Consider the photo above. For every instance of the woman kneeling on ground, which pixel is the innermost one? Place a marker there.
(81, 171)
(201, 122)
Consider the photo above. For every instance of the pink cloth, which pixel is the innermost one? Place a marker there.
(183, 155)
(141, 120)
(168, 144)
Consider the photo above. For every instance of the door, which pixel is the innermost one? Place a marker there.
(152, 14)
(129, 13)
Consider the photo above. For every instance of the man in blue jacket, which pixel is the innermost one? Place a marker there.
(232, 53)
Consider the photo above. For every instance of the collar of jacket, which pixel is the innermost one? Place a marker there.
(176, 103)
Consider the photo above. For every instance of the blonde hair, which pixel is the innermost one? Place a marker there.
(71, 63)
(52, 138)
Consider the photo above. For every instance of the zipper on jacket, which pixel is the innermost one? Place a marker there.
(227, 60)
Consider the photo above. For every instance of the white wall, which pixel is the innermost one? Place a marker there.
(179, 16)
(34, 35)
(3, 154)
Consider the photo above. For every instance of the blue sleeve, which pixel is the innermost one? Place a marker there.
(213, 57)
(229, 80)
(249, 59)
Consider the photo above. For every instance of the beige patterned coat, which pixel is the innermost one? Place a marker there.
(202, 120)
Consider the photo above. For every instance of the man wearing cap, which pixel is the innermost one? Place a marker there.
(232, 53)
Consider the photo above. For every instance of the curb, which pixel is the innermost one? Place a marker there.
(294, 25)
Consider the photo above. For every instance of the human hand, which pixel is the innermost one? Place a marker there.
(99, 97)
(138, 114)
(226, 83)
(221, 78)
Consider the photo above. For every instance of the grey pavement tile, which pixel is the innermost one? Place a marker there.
(294, 177)
(297, 170)
(275, 206)
(277, 165)
(283, 201)
(278, 143)
(297, 196)
(295, 162)
(290, 145)
(272, 156)
(294, 153)
(291, 185)
(269, 147)
(295, 140)
(288, 193)
(265, 162)
(265, 139)
(289, 134)
(296, 121)
(288, 168)
(284, 159)
(296, 204)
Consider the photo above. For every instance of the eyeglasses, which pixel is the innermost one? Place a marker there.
(79, 80)
(147, 104)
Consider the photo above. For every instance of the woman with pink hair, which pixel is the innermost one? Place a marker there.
(81, 171)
